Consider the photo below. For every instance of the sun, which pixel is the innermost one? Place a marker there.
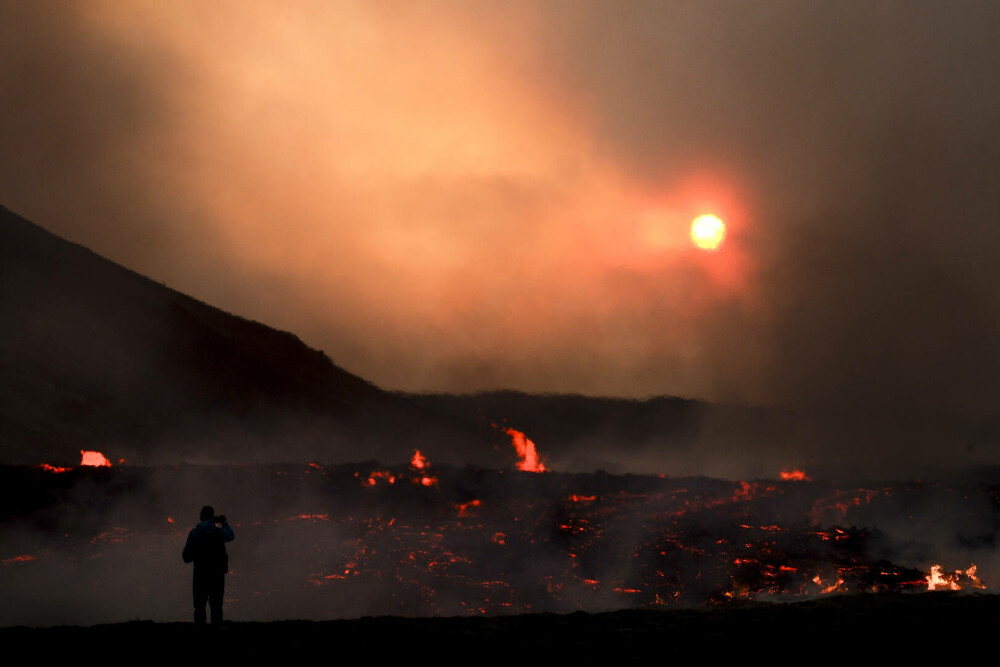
(708, 232)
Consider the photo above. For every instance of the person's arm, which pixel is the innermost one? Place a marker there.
(227, 533)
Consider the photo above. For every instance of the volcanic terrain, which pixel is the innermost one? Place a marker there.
(350, 501)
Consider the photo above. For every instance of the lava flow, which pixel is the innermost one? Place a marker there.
(366, 539)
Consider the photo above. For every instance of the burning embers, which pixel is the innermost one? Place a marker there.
(419, 464)
(944, 581)
(418, 473)
(54, 469)
(376, 476)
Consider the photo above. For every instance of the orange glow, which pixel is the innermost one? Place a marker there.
(528, 459)
(463, 508)
(381, 474)
(708, 232)
(53, 469)
(971, 574)
(419, 461)
(826, 510)
(19, 559)
(936, 581)
(831, 588)
(794, 475)
(94, 459)
(943, 581)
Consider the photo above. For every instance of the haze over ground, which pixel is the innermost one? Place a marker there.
(455, 196)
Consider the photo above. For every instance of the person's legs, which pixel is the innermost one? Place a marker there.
(200, 598)
(215, 596)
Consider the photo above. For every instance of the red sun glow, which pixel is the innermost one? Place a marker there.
(708, 232)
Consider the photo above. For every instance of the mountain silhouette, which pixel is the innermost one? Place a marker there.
(95, 356)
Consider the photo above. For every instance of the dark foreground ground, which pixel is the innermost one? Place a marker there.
(852, 627)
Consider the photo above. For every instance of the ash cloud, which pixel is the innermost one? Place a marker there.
(483, 239)
(866, 133)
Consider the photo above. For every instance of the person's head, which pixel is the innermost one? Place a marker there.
(207, 513)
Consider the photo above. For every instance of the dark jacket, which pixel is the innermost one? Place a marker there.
(206, 547)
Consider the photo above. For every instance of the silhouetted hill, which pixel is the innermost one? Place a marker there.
(93, 355)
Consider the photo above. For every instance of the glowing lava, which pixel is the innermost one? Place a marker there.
(53, 469)
(708, 232)
(938, 580)
(24, 558)
(794, 476)
(380, 474)
(527, 455)
(94, 459)
(419, 461)
(463, 508)
(420, 464)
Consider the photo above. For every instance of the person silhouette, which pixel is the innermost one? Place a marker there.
(206, 548)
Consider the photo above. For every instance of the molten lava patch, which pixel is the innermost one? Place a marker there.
(419, 461)
(527, 455)
(94, 459)
(53, 469)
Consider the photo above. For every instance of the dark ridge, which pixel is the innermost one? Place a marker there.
(876, 626)
(95, 356)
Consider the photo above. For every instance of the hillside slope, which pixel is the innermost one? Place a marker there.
(93, 355)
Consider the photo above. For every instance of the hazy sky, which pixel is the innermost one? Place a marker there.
(471, 195)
